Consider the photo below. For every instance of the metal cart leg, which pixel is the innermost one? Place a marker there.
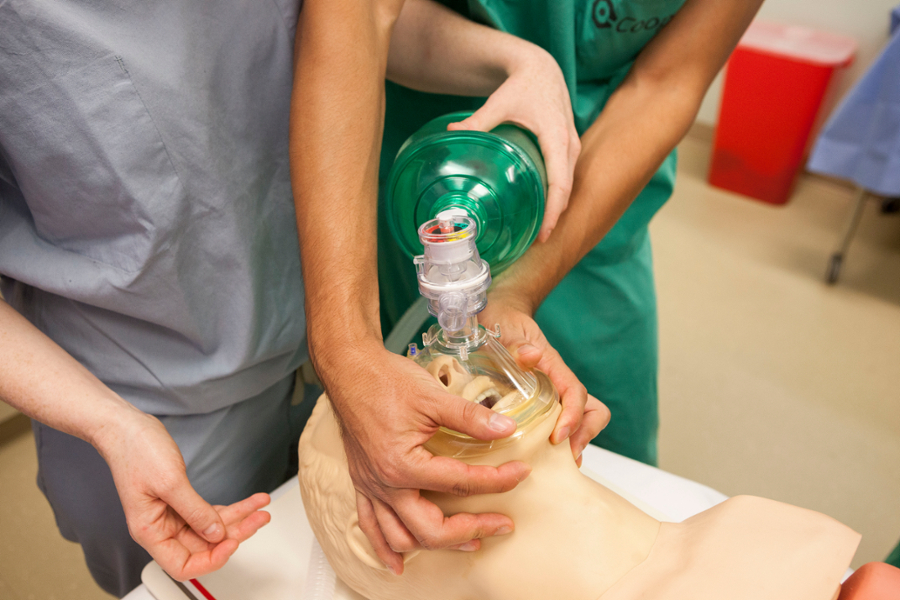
(834, 265)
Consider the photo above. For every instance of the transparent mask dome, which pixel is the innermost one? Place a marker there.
(479, 369)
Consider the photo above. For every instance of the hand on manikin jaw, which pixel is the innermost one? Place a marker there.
(583, 416)
(384, 440)
(573, 538)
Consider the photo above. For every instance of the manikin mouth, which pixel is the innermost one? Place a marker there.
(488, 398)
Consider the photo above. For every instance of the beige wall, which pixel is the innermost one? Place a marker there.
(866, 21)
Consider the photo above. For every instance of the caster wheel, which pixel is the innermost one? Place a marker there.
(890, 206)
(834, 269)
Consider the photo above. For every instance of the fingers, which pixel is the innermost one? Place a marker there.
(573, 401)
(196, 512)
(433, 530)
(179, 562)
(398, 537)
(483, 119)
(451, 476)
(573, 396)
(369, 525)
(243, 519)
(526, 355)
(470, 418)
(240, 510)
(560, 171)
(596, 417)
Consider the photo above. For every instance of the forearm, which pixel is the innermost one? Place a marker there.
(337, 114)
(43, 381)
(640, 125)
(434, 49)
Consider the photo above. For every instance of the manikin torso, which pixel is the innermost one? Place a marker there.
(575, 539)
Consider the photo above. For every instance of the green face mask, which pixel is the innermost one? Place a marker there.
(497, 178)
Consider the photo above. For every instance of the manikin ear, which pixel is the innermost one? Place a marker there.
(362, 548)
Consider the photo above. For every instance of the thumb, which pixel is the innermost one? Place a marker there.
(196, 512)
(483, 119)
(526, 355)
(472, 418)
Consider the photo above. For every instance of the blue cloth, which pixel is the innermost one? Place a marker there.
(861, 141)
(146, 217)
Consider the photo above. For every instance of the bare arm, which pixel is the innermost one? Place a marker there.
(43, 381)
(435, 50)
(35, 373)
(387, 406)
(337, 115)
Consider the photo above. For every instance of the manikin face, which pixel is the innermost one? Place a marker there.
(574, 538)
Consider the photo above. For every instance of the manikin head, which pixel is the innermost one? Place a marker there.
(574, 538)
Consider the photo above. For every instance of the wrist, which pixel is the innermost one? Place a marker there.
(506, 294)
(524, 56)
(115, 422)
(338, 359)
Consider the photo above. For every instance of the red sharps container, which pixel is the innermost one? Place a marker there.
(774, 85)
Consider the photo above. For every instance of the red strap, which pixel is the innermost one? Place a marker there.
(203, 590)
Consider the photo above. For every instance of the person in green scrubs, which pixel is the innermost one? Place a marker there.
(636, 73)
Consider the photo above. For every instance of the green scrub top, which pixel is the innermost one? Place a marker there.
(894, 557)
(602, 316)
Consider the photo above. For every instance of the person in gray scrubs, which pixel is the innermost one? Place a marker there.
(154, 307)
(147, 228)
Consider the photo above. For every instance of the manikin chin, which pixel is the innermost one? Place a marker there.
(574, 538)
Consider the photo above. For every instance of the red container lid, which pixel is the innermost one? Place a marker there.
(799, 43)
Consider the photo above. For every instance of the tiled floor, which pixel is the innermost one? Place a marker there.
(771, 382)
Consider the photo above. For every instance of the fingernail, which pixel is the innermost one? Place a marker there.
(563, 434)
(577, 458)
(499, 422)
(391, 569)
(470, 546)
(525, 348)
(211, 530)
(503, 530)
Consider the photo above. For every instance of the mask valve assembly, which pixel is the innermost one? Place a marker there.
(452, 275)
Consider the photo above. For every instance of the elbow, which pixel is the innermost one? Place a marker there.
(386, 13)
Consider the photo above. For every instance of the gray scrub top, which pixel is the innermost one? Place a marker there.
(146, 215)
